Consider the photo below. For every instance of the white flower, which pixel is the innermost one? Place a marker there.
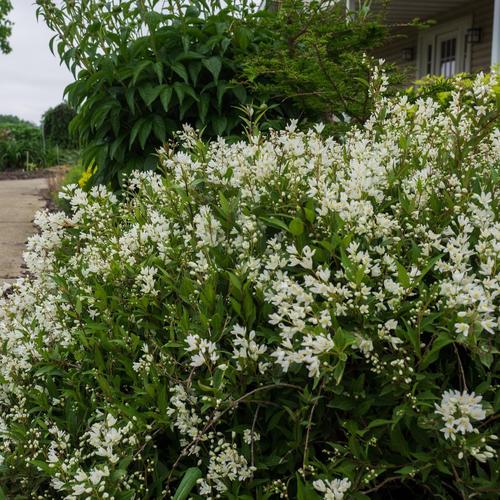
(462, 328)
(334, 489)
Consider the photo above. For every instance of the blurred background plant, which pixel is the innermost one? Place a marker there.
(26, 146)
(55, 125)
(21, 146)
(5, 26)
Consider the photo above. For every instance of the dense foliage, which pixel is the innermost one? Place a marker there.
(288, 315)
(55, 126)
(10, 119)
(21, 145)
(5, 26)
(143, 69)
(315, 63)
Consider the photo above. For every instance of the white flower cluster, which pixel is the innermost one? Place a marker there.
(246, 348)
(225, 464)
(105, 439)
(458, 411)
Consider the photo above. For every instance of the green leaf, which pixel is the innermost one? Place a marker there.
(235, 281)
(203, 107)
(221, 90)
(145, 132)
(275, 222)
(214, 65)
(379, 422)
(305, 491)
(404, 277)
(179, 91)
(310, 214)
(139, 69)
(219, 124)
(242, 37)
(135, 130)
(129, 96)
(159, 71)
(115, 145)
(406, 471)
(165, 97)
(149, 93)
(159, 128)
(240, 92)
(181, 71)
(296, 227)
(194, 69)
(432, 355)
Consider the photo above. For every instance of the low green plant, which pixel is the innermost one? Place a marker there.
(287, 316)
(21, 146)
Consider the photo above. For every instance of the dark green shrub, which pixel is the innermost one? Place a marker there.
(315, 62)
(55, 125)
(21, 146)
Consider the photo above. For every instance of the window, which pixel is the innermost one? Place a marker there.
(447, 56)
(442, 50)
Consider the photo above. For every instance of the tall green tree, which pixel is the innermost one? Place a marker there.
(5, 26)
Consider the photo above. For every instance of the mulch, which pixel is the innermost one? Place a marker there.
(10, 175)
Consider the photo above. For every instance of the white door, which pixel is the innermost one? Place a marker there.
(447, 63)
(442, 50)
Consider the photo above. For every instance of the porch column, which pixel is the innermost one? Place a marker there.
(495, 42)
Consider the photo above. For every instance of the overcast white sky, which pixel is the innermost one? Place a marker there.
(31, 79)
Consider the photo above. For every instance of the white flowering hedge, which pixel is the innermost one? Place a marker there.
(283, 317)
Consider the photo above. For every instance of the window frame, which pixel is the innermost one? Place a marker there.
(430, 38)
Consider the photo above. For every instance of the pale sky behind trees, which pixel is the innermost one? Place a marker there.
(31, 79)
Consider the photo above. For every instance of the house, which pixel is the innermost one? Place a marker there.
(464, 35)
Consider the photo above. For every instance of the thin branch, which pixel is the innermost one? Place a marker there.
(461, 368)
(217, 416)
(382, 484)
(309, 425)
(252, 435)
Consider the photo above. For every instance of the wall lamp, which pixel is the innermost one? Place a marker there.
(473, 35)
(408, 54)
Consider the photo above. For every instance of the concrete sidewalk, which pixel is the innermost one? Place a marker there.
(19, 200)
